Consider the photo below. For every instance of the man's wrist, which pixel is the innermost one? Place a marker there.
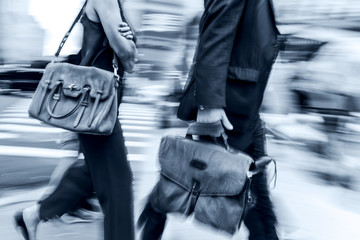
(202, 108)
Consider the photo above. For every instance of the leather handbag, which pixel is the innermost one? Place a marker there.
(77, 98)
(203, 177)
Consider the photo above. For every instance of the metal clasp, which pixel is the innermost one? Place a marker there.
(116, 72)
(71, 86)
(56, 96)
(55, 59)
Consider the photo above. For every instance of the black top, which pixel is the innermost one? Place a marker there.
(96, 50)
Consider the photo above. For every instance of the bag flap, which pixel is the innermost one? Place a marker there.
(219, 172)
(75, 78)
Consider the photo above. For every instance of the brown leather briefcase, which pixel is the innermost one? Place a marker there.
(209, 180)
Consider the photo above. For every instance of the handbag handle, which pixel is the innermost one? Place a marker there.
(51, 94)
(214, 129)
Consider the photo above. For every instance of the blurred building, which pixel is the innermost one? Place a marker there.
(343, 14)
(21, 37)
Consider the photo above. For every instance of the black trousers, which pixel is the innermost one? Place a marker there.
(260, 219)
(108, 174)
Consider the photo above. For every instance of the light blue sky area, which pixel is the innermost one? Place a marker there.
(55, 17)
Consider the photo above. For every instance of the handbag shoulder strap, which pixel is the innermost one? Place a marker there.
(78, 17)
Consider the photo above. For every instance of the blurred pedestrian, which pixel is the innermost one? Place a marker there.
(237, 46)
(90, 210)
(68, 141)
(107, 171)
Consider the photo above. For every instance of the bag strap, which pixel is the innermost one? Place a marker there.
(78, 17)
(115, 62)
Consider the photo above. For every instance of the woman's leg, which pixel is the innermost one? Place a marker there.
(67, 141)
(112, 180)
(74, 189)
(71, 193)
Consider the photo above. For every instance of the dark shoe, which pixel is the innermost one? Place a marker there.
(20, 225)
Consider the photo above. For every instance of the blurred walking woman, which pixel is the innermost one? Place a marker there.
(107, 171)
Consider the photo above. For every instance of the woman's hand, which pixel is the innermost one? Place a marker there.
(110, 17)
(125, 31)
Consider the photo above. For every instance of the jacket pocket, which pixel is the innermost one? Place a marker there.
(243, 74)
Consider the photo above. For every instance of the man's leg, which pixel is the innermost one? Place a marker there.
(261, 219)
(154, 223)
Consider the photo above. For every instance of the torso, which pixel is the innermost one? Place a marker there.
(96, 50)
(90, 12)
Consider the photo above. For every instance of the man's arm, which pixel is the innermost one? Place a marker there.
(218, 26)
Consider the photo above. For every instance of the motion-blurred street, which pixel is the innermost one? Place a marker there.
(308, 207)
(311, 107)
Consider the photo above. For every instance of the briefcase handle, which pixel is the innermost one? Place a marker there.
(214, 129)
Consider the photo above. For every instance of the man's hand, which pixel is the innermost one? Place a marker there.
(209, 115)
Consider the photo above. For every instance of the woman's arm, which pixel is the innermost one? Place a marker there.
(110, 17)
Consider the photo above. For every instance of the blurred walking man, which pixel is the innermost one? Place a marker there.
(237, 47)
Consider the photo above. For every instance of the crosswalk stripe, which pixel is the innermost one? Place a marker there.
(137, 135)
(131, 110)
(16, 115)
(9, 135)
(29, 128)
(137, 157)
(21, 114)
(135, 127)
(121, 117)
(137, 144)
(122, 114)
(36, 152)
(137, 122)
(10, 110)
(128, 117)
(22, 108)
(20, 120)
(16, 151)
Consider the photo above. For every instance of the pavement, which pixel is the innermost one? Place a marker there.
(307, 207)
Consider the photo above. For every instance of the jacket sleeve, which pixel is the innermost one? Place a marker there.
(218, 26)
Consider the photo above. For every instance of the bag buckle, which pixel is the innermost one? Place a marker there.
(194, 195)
(116, 72)
(71, 86)
(56, 96)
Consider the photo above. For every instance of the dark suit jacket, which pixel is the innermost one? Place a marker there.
(237, 46)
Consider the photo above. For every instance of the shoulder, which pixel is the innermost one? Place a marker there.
(97, 8)
(104, 4)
